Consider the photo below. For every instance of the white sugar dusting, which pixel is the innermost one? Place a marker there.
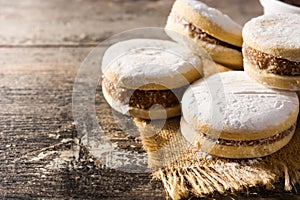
(237, 103)
(214, 15)
(275, 32)
(143, 61)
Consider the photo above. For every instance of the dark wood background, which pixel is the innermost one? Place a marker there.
(42, 44)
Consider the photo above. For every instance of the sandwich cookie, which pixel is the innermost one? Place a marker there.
(271, 50)
(202, 26)
(146, 78)
(251, 120)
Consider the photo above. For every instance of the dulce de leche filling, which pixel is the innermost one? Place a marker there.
(271, 63)
(196, 32)
(265, 141)
(144, 99)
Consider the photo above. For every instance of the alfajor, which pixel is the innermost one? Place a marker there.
(271, 50)
(146, 78)
(208, 28)
(232, 116)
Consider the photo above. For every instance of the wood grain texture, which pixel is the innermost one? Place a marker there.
(42, 44)
(55, 22)
(39, 153)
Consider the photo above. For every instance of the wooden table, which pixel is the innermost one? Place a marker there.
(42, 44)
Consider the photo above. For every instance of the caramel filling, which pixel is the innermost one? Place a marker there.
(264, 141)
(270, 63)
(195, 32)
(144, 99)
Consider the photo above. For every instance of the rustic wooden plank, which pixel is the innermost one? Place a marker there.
(64, 22)
(25, 60)
(37, 157)
(55, 22)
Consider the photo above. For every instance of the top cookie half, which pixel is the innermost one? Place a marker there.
(210, 20)
(277, 35)
(150, 64)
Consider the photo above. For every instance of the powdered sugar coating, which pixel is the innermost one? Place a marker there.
(231, 101)
(215, 16)
(275, 34)
(138, 62)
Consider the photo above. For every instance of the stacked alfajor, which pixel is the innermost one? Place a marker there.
(230, 115)
(271, 50)
(203, 27)
(146, 78)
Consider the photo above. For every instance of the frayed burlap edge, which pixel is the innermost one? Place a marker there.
(198, 174)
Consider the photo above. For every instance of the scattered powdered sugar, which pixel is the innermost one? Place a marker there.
(214, 15)
(232, 101)
(142, 61)
(275, 34)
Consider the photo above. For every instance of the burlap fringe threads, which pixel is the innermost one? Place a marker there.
(189, 172)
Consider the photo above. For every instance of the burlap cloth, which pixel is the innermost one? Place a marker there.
(187, 171)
